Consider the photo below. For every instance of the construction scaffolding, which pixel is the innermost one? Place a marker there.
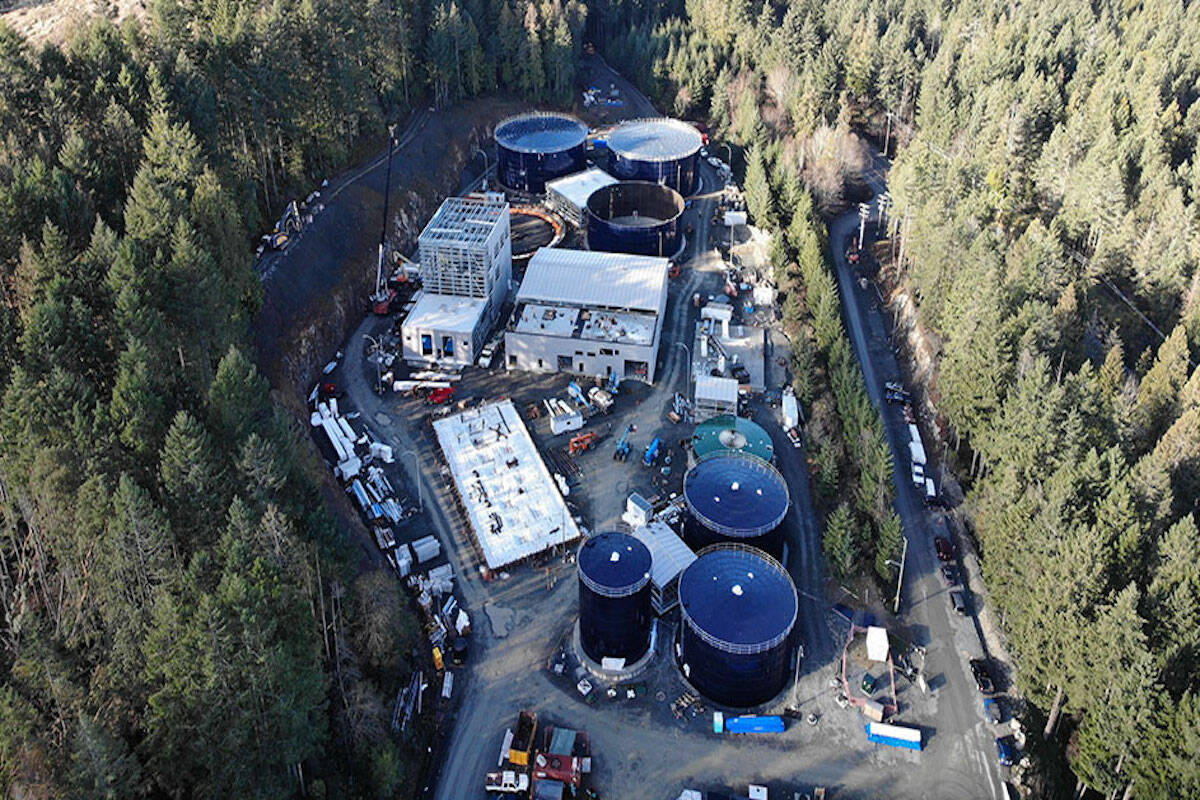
(466, 249)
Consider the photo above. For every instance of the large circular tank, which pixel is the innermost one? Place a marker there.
(737, 498)
(634, 217)
(664, 151)
(534, 148)
(728, 433)
(614, 597)
(738, 607)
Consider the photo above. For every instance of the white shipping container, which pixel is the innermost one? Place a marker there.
(917, 452)
(448, 685)
(426, 549)
(914, 433)
(403, 560)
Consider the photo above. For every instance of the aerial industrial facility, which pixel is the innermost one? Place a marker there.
(596, 314)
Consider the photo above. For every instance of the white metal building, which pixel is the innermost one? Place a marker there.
(568, 196)
(589, 313)
(669, 556)
(715, 397)
(512, 502)
(445, 329)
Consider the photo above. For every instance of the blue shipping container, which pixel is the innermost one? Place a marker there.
(754, 724)
(893, 735)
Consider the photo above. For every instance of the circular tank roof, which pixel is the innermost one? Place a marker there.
(736, 494)
(738, 599)
(635, 204)
(654, 139)
(614, 564)
(728, 432)
(540, 133)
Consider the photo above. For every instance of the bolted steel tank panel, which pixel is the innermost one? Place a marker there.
(735, 497)
(635, 217)
(665, 151)
(738, 609)
(534, 148)
(614, 597)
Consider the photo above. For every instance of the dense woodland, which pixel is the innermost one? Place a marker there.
(180, 617)
(1045, 186)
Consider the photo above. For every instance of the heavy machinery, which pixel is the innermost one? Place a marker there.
(600, 398)
(651, 454)
(522, 743)
(614, 385)
(578, 396)
(622, 451)
(582, 442)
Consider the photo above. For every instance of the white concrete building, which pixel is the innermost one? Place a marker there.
(512, 502)
(589, 313)
(446, 329)
(465, 255)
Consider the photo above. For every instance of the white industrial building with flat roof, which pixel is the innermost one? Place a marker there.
(445, 328)
(511, 500)
(465, 254)
(589, 313)
(568, 196)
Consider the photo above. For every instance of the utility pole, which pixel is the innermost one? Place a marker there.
(885, 200)
(387, 193)
(864, 211)
(887, 134)
(900, 576)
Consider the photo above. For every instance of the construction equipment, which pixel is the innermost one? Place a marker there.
(578, 396)
(600, 398)
(622, 451)
(582, 442)
(614, 385)
(441, 396)
(522, 743)
(651, 454)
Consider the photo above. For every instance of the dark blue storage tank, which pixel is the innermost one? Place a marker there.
(614, 597)
(735, 497)
(664, 151)
(534, 148)
(738, 608)
(635, 217)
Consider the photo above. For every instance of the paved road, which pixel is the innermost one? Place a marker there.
(950, 640)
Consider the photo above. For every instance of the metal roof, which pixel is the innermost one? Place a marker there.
(595, 280)
(711, 387)
(736, 494)
(443, 312)
(614, 564)
(466, 220)
(738, 599)
(669, 555)
(540, 133)
(577, 188)
(654, 139)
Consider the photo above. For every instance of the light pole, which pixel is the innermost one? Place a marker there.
(378, 361)
(417, 477)
(900, 576)
(864, 211)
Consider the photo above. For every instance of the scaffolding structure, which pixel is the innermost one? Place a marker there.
(466, 249)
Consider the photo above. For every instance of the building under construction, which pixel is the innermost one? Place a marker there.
(465, 252)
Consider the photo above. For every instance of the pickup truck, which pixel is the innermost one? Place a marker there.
(507, 782)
